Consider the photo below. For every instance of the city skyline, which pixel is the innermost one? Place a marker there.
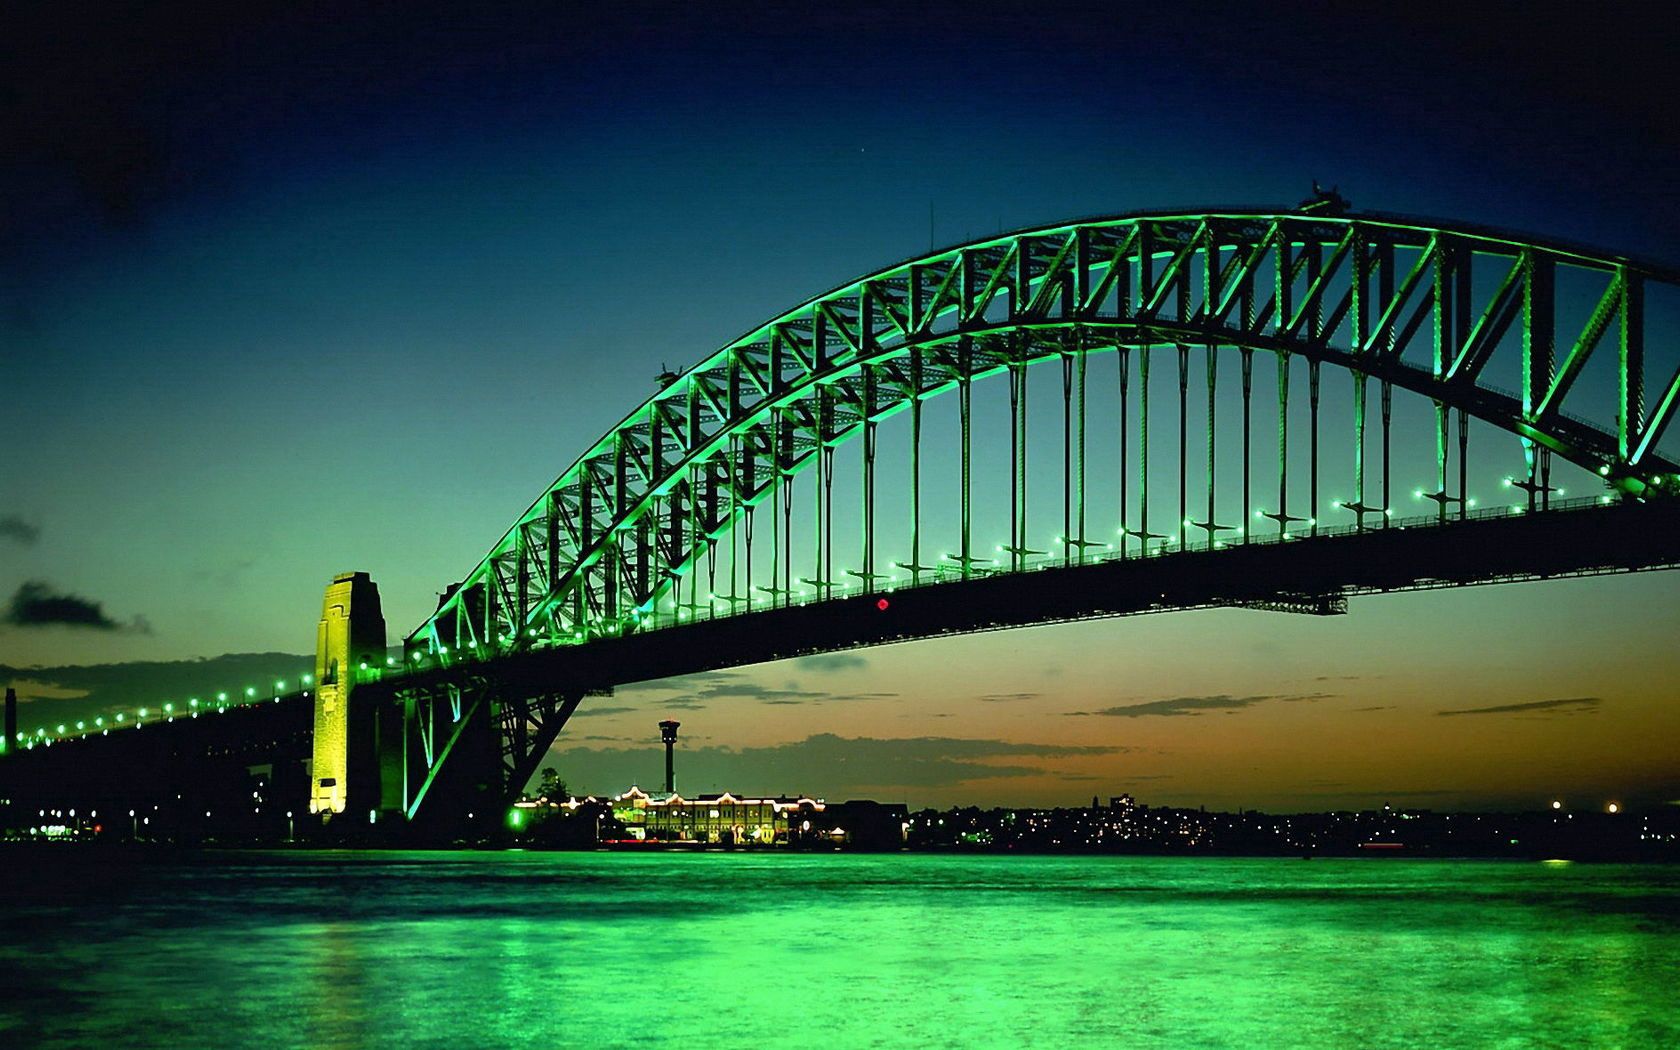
(307, 335)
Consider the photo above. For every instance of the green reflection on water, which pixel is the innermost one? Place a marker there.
(350, 950)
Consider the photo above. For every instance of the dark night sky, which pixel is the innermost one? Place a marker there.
(287, 289)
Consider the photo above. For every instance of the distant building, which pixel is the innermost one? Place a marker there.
(728, 819)
(724, 819)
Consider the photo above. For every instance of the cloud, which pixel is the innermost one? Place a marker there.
(754, 691)
(1379, 707)
(36, 604)
(1562, 707)
(229, 575)
(824, 698)
(1182, 706)
(35, 689)
(825, 763)
(1004, 698)
(16, 529)
(829, 662)
(585, 711)
(695, 691)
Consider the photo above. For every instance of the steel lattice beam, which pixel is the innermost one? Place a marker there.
(631, 518)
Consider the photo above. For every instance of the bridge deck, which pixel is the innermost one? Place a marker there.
(1598, 540)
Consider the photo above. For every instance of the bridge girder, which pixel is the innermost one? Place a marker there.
(635, 513)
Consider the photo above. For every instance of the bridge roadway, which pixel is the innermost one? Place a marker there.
(1309, 574)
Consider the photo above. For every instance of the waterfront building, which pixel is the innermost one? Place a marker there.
(721, 819)
(728, 819)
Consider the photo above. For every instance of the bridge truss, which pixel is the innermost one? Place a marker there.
(1391, 302)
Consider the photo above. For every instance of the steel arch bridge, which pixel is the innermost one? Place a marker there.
(1403, 303)
(648, 557)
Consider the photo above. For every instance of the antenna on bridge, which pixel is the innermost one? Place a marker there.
(1325, 201)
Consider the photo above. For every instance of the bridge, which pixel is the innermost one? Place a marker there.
(700, 532)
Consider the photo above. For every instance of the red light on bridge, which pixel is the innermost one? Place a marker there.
(882, 604)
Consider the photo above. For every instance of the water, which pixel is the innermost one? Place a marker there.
(750, 950)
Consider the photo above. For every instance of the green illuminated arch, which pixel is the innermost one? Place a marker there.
(1349, 291)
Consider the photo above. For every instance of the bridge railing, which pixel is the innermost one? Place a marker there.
(165, 713)
(721, 607)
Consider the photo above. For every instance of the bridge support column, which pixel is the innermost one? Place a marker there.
(351, 635)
